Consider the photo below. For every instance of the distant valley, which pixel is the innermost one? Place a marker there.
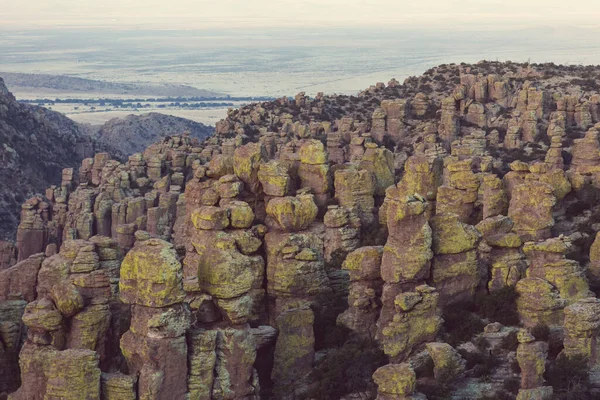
(95, 102)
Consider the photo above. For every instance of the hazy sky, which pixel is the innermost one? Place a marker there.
(443, 14)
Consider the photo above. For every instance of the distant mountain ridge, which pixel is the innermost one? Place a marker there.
(20, 82)
(134, 133)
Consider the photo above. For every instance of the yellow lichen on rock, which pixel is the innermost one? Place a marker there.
(582, 323)
(294, 350)
(151, 275)
(313, 152)
(539, 302)
(246, 163)
(241, 214)
(422, 176)
(226, 273)
(274, 178)
(416, 321)
(395, 379)
(210, 218)
(364, 263)
(293, 214)
(447, 362)
(531, 208)
(450, 236)
(380, 162)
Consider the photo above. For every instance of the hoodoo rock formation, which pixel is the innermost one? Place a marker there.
(388, 245)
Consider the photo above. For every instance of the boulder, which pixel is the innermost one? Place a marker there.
(151, 275)
(292, 214)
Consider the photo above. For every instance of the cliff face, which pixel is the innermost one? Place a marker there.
(35, 145)
(424, 238)
(134, 133)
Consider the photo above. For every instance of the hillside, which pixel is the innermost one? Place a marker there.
(35, 145)
(68, 86)
(134, 133)
(433, 239)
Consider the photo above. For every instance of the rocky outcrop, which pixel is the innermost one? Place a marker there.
(396, 382)
(582, 326)
(12, 332)
(20, 280)
(449, 127)
(363, 266)
(8, 255)
(530, 209)
(547, 261)
(407, 253)
(296, 276)
(422, 176)
(68, 374)
(380, 162)
(294, 349)
(455, 270)
(222, 262)
(539, 302)
(242, 252)
(314, 172)
(447, 362)
(342, 235)
(540, 393)
(531, 356)
(416, 321)
(593, 269)
(155, 346)
(68, 338)
(354, 190)
(501, 251)
(460, 191)
(586, 161)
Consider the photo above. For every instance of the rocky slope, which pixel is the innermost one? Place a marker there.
(435, 239)
(36, 144)
(134, 133)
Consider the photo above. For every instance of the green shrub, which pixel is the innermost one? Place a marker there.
(327, 332)
(481, 343)
(514, 367)
(449, 372)
(461, 325)
(510, 341)
(541, 332)
(499, 306)
(512, 385)
(569, 377)
(576, 392)
(555, 347)
(500, 395)
(346, 369)
(482, 363)
(425, 369)
(433, 389)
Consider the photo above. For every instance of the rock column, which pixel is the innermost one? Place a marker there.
(155, 346)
